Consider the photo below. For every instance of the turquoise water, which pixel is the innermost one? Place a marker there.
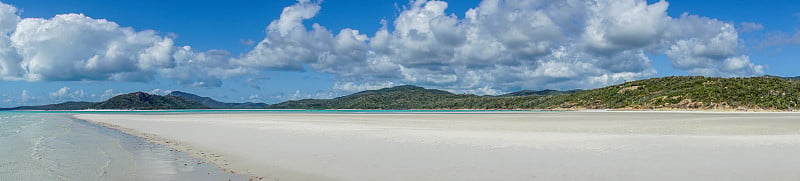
(37, 146)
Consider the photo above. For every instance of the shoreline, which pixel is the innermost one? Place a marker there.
(200, 169)
(217, 160)
(59, 147)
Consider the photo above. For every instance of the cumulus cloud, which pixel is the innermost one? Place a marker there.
(109, 93)
(202, 69)
(65, 93)
(507, 44)
(355, 87)
(70, 47)
(76, 47)
(288, 43)
(253, 98)
(497, 46)
(160, 92)
(297, 95)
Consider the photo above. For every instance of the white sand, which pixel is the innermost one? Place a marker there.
(516, 146)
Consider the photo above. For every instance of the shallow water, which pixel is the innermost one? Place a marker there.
(39, 146)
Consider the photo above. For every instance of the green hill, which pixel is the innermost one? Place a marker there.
(413, 97)
(136, 100)
(688, 93)
(144, 101)
(211, 103)
(400, 97)
(755, 93)
(657, 93)
(71, 105)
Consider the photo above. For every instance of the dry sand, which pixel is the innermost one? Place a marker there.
(485, 146)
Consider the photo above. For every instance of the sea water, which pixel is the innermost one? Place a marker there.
(54, 146)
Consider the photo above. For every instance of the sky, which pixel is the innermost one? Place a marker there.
(270, 51)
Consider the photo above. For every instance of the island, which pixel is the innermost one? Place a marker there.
(765, 93)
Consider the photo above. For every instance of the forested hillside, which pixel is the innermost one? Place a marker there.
(701, 93)
(656, 93)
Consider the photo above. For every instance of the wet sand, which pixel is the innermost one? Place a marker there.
(52, 146)
(482, 146)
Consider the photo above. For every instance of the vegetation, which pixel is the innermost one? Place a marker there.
(767, 92)
(688, 93)
(214, 104)
(61, 106)
(413, 97)
(137, 100)
(145, 101)
(539, 93)
(657, 93)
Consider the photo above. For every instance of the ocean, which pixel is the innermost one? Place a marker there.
(54, 146)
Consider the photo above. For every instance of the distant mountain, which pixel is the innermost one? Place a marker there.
(538, 93)
(400, 97)
(72, 105)
(680, 92)
(136, 100)
(687, 93)
(214, 104)
(144, 101)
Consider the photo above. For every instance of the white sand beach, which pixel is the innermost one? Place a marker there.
(482, 146)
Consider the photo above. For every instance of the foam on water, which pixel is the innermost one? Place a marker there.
(38, 146)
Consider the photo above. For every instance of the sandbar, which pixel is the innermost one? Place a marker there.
(481, 146)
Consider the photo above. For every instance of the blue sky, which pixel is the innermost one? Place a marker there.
(55, 50)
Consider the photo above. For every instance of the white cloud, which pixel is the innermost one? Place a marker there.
(9, 59)
(65, 93)
(504, 45)
(355, 87)
(497, 46)
(202, 69)
(624, 24)
(297, 95)
(253, 98)
(288, 44)
(712, 49)
(60, 92)
(76, 47)
(70, 47)
(109, 93)
(160, 92)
